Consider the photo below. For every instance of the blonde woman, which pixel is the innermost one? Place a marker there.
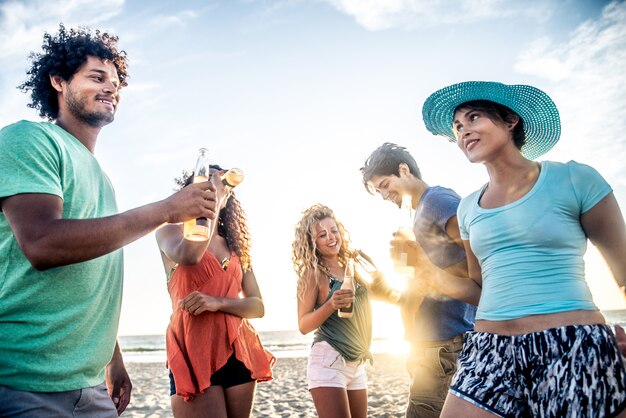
(336, 366)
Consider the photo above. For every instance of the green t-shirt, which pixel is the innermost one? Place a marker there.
(57, 327)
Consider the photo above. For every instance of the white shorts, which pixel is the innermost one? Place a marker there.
(327, 368)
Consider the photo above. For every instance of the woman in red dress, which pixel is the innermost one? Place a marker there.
(214, 354)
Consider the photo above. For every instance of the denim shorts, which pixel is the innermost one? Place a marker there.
(327, 368)
(92, 402)
(571, 371)
(233, 373)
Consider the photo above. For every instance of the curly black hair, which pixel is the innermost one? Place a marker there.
(232, 223)
(62, 55)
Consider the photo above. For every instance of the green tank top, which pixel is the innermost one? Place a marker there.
(351, 337)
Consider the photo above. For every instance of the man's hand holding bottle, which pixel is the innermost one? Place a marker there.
(198, 200)
(423, 273)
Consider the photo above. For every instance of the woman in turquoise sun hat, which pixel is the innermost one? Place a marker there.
(540, 347)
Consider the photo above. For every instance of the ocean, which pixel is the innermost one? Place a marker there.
(151, 348)
(283, 344)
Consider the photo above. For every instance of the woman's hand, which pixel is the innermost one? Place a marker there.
(195, 303)
(341, 298)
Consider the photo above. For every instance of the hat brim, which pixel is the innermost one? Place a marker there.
(542, 124)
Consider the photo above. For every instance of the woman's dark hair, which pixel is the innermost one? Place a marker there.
(499, 113)
(63, 54)
(233, 224)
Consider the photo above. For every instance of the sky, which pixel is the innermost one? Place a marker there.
(297, 93)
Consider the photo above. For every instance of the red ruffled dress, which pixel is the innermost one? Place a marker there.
(198, 346)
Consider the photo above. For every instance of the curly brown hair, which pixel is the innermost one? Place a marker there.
(232, 223)
(63, 54)
(305, 255)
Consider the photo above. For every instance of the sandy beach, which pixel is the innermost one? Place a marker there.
(286, 396)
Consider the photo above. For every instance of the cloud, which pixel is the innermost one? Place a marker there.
(179, 19)
(379, 15)
(22, 23)
(587, 72)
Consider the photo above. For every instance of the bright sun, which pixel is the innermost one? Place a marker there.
(387, 327)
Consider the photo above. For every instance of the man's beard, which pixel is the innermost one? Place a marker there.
(77, 107)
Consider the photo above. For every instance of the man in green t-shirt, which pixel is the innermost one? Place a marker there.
(61, 236)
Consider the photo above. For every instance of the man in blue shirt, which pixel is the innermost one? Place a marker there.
(434, 323)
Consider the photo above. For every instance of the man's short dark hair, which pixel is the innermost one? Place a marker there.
(385, 161)
(62, 55)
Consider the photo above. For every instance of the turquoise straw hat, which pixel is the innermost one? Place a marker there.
(542, 124)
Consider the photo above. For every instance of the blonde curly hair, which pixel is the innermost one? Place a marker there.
(305, 256)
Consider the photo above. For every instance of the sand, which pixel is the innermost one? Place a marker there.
(286, 396)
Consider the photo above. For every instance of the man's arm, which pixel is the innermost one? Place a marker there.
(461, 281)
(465, 278)
(47, 240)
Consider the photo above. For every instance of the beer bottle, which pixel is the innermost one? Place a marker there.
(405, 233)
(348, 283)
(198, 229)
(368, 273)
(232, 178)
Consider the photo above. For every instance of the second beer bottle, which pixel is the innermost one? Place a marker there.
(198, 229)
(405, 233)
(348, 283)
(232, 178)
